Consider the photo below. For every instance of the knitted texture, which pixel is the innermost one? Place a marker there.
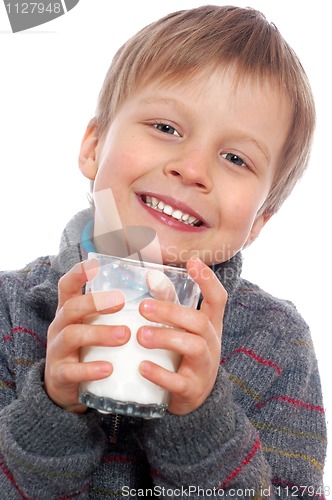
(261, 432)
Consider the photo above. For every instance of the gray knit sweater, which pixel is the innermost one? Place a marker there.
(260, 433)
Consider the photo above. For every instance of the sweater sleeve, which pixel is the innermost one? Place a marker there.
(41, 444)
(262, 430)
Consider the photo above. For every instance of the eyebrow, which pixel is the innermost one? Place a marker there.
(179, 104)
(264, 150)
(167, 101)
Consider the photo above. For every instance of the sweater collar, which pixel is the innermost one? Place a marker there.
(72, 248)
(229, 272)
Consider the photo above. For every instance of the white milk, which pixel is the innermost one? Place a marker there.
(126, 383)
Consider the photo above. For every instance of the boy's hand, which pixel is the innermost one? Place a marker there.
(196, 335)
(67, 334)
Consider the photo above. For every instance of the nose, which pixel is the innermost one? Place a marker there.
(192, 168)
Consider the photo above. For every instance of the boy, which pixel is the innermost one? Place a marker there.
(203, 126)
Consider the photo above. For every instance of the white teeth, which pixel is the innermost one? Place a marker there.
(160, 206)
(167, 209)
(177, 214)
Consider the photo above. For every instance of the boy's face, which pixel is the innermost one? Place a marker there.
(194, 161)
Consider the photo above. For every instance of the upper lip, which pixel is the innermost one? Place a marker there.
(183, 207)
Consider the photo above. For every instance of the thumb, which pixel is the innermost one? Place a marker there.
(160, 286)
(213, 292)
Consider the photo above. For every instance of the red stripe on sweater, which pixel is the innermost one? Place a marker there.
(8, 383)
(22, 329)
(11, 479)
(244, 462)
(292, 401)
(154, 472)
(255, 356)
(85, 488)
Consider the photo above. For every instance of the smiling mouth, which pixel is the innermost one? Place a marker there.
(175, 213)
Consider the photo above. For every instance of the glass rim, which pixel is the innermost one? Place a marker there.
(136, 262)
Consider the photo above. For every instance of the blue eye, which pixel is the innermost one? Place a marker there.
(166, 129)
(233, 158)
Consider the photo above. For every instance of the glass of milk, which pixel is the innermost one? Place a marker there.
(125, 391)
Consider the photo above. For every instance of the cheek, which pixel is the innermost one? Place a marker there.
(237, 209)
(245, 213)
(115, 170)
(240, 219)
(245, 203)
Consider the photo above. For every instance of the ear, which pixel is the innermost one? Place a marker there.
(87, 159)
(257, 226)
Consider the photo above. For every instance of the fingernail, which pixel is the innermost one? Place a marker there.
(144, 367)
(196, 260)
(106, 369)
(149, 305)
(119, 332)
(146, 332)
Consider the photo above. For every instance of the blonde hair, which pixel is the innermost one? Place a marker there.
(183, 43)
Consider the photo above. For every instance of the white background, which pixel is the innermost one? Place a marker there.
(50, 79)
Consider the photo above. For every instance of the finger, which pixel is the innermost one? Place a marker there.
(70, 374)
(78, 308)
(74, 337)
(161, 376)
(176, 316)
(184, 387)
(75, 373)
(194, 347)
(70, 285)
(214, 294)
